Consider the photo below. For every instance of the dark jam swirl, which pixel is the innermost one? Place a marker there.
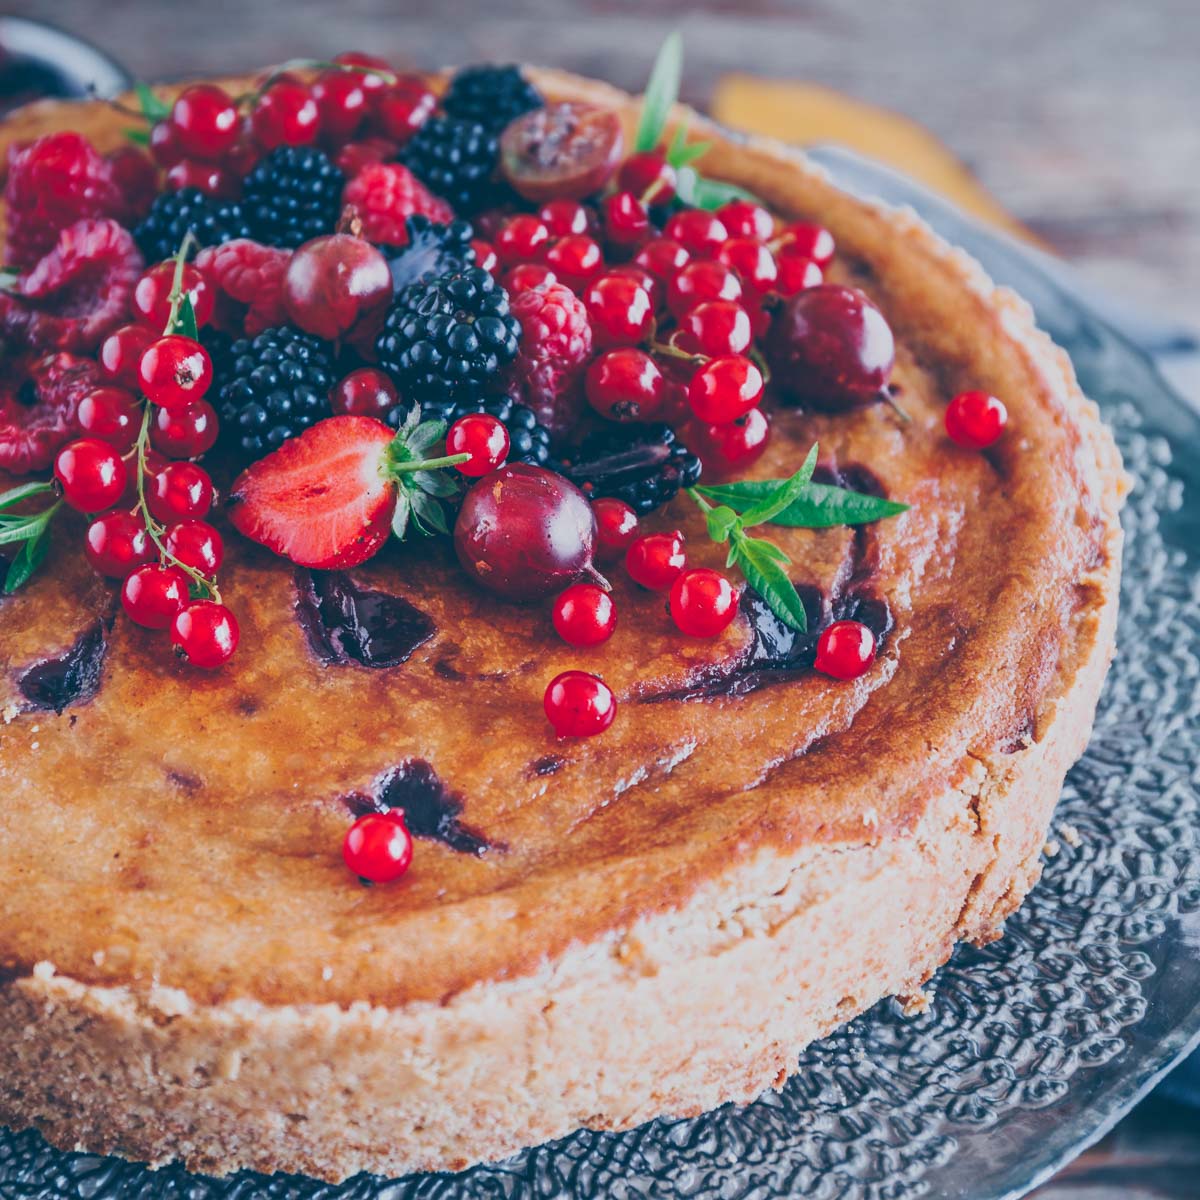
(73, 677)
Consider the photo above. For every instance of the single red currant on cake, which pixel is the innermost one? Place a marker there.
(584, 615)
(174, 371)
(975, 419)
(625, 385)
(578, 704)
(729, 449)
(366, 392)
(186, 432)
(724, 389)
(152, 295)
(845, 650)
(152, 595)
(335, 283)
(205, 634)
(111, 414)
(649, 177)
(481, 436)
(378, 847)
(196, 544)
(703, 602)
(117, 543)
(620, 310)
(178, 492)
(91, 474)
(700, 233)
(616, 527)
(205, 121)
(656, 560)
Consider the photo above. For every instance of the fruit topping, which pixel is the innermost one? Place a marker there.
(335, 284)
(729, 449)
(579, 705)
(248, 280)
(484, 441)
(845, 650)
(703, 602)
(564, 151)
(975, 419)
(205, 120)
(205, 634)
(175, 214)
(378, 847)
(529, 441)
(805, 240)
(656, 560)
(643, 465)
(399, 109)
(364, 393)
(490, 94)
(584, 615)
(621, 310)
(287, 114)
(292, 195)
(625, 385)
(428, 248)
(112, 415)
(116, 544)
(39, 409)
(91, 474)
(180, 491)
(616, 527)
(152, 295)
(456, 160)
(385, 195)
(724, 389)
(152, 595)
(175, 371)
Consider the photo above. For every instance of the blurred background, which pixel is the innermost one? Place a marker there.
(1074, 125)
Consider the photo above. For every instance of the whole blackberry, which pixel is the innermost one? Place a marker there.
(643, 465)
(293, 194)
(276, 385)
(433, 249)
(456, 159)
(529, 442)
(492, 95)
(449, 336)
(172, 214)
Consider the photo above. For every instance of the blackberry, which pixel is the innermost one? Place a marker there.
(448, 337)
(433, 249)
(455, 159)
(292, 195)
(644, 465)
(529, 442)
(172, 214)
(491, 95)
(276, 385)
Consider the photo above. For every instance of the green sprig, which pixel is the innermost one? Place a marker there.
(422, 482)
(31, 531)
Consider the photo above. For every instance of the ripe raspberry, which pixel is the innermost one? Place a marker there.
(52, 183)
(39, 409)
(78, 293)
(248, 280)
(136, 176)
(384, 195)
(556, 343)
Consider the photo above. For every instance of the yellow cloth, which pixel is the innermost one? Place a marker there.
(805, 113)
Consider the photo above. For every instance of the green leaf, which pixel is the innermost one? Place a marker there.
(25, 491)
(721, 523)
(401, 515)
(681, 154)
(185, 319)
(819, 505)
(31, 556)
(436, 483)
(784, 495)
(425, 436)
(709, 194)
(661, 93)
(765, 573)
(153, 109)
(428, 514)
(139, 137)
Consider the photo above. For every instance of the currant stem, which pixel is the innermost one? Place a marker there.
(427, 464)
(309, 64)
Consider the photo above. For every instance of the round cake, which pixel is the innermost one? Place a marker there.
(594, 931)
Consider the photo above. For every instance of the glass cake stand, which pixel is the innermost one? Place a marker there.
(1034, 1046)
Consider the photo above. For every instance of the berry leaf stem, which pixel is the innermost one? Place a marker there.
(421, 483)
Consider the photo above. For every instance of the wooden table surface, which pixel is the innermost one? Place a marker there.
(1082, 117)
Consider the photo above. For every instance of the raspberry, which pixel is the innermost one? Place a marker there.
(248, 279)
(52, 183)
(556, 343)
(354, 157)
(39, 409)
(385, 194)
(78, 293)
(136, 176)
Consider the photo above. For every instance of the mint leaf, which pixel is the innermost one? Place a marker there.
(681, 154)
(25, 491)
(819, 505)
(153, 109)
(661, 93)
(763, 565)
(31, 556)
(721, 523)
(781, 497)
(709, 194)
(139, 137)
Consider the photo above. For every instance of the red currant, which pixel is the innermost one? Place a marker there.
(205, 120)
(175, 371)
(754, 263)
(715, 328)
(378, 847)
(584, 615)
(366, 392)
(655, 560)
(806, 240)
(111, 414)
(626, 221)
(152, 295)
(525, 277)
(205, 634)
(579, 705)
(165, 147)
(975, 419)
(796, 273)
(341, 102)
(116, 544)
(246, 152)
(401, 108)
(663, 258)
(121, 352)
(481, 436)
(625, 385)
(700, 281)
(845, 650)
(286, 115)
(196, 544)
(180, 491)
(186, 432)
(152, 595)
(616, 527)
(376, 74)
(213, 179)
(724, 389)
(520, 239)
(649, 177)
(745, 219)
(564, 217)
(485, 255)
(729, 449)
(703, 602)
(576, 260)
(91, 474)
(643, 278)
(700, 233)
(620, 310)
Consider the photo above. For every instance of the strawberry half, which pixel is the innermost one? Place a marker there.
(323, 499)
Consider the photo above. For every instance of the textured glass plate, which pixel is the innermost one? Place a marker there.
(1033, 1046)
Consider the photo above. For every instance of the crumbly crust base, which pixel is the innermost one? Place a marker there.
(679, 1012)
